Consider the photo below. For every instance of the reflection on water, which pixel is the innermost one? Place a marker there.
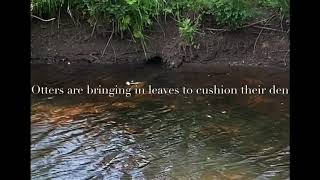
(158, 137)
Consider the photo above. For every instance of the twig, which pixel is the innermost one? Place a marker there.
(223, 30)
(284, 59)
(252, 24)
(245, 26)
(286, 33)
(94, 27)
(207, 49)
(59, 17)
(255, 43)
(114, 52)
(267, 28)
(132, 52)
(281, 22)
(74, 36)
(164, 34)
(177, 21)
(91, 54)
(279, 51)
(132, 37)
(104, 50)
(144, 50)
(44, 20)
(70, 14)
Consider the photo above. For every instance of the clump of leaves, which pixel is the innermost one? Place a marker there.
(187, 30)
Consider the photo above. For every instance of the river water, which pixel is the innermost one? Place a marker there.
(209, 137)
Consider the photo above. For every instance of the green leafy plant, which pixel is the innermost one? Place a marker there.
(232, 13)
(187, 30)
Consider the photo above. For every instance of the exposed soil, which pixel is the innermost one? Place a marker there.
(72, 43)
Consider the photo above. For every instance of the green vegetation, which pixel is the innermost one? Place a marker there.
(187, 30)
(134, 16)
(233, 13)
(282, 5)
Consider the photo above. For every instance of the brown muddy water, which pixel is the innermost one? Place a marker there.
(209, 137)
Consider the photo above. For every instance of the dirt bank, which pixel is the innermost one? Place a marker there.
(70, 43)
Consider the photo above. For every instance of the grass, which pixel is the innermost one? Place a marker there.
(134, 16)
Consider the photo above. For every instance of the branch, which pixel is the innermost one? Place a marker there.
(222, 30)
(284, 59)
(104, 50)
(245, 26)
(252, 24)
(255, 43)
(44, 20)
(267, 28)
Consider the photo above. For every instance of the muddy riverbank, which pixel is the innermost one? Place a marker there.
(256, 45)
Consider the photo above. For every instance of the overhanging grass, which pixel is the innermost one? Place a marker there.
(136, 15)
